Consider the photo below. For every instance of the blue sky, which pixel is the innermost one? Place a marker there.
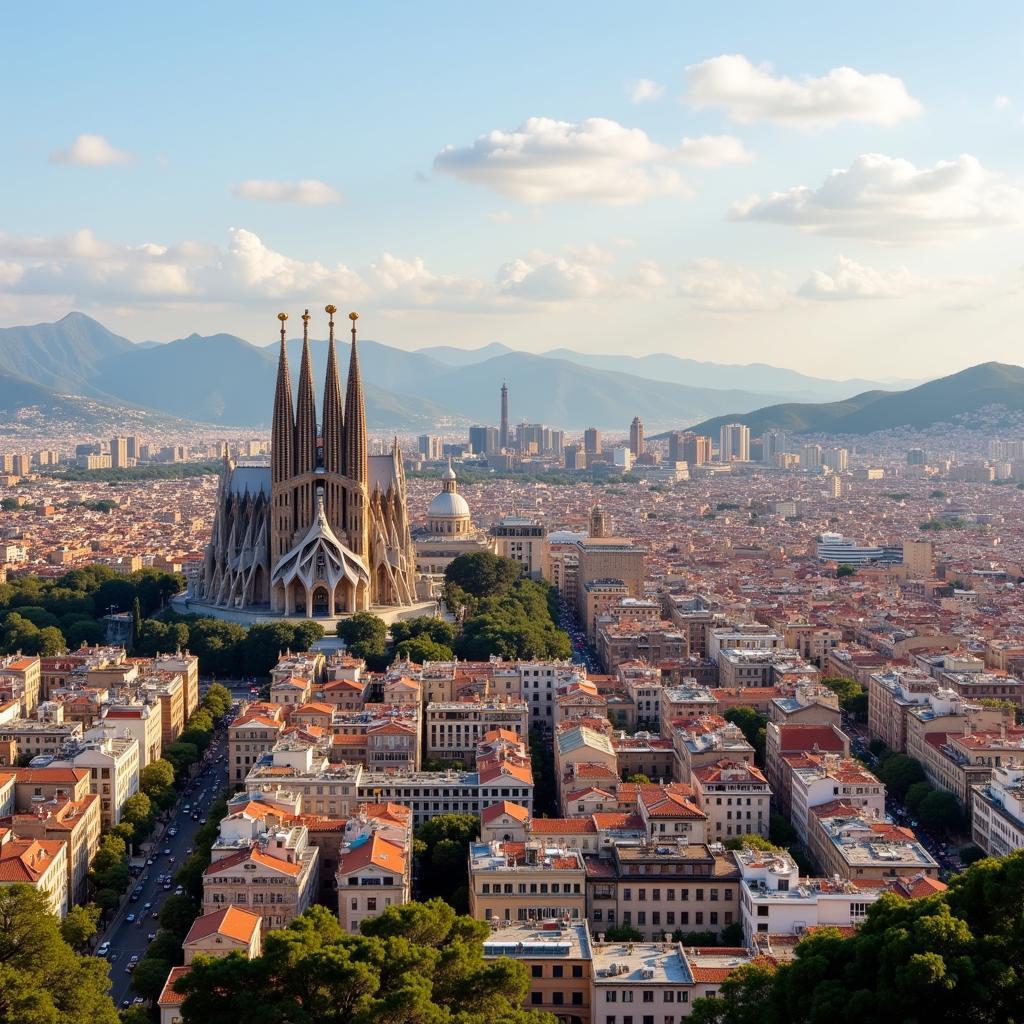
(645, 178)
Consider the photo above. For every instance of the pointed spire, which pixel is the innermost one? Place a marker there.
(305, 413)
(282, 434)
(333, 425)
(355, 416)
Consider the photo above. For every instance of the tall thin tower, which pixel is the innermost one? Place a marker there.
(503, 438)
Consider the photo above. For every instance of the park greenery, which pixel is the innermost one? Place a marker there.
(42, 979)
(50, 616)
(499, 612)
(853, 698)
(953, 956)
(441, 849)
(753, 724)
(135, 474)
(419, 963)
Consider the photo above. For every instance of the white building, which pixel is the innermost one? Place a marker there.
(834, 547)
(113, 765)
(997, 811)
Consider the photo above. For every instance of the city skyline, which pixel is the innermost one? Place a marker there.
(825, 199)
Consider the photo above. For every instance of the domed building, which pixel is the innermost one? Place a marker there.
(449, 533)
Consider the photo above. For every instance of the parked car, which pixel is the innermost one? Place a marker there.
(130, 918)
(104, 949)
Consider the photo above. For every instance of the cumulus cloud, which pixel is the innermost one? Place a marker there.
(647, 277)
(308, 191)
(848, 279)
(542, 277)
(90, 151)
(645, 90)
(749, 93)
(1001, 102)
(890, 201)
(718, 287)
(596, 160)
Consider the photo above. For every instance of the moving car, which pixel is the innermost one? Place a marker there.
(104, 949)
(130, 918)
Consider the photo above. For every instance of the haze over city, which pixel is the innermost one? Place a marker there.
(747, 184)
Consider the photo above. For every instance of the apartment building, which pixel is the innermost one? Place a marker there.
(958, 762)
(845, 841)
(644, 754)
(558, 956)
(454, 728)
(186, 665)
(113, 766)
(781, 740)
(34, 786)
(816, 779)
(47, 735)
(374, 873)
(167, 689)
(272, 873)
(810, 704)
(705, 740)
(735, 796)
(20, 679)
(39, 863)
(891, 696)
(76, 823)
(141, 722)
(526, 882)
(297, 768)
(662, 886)
(250, 736)
(997, 811)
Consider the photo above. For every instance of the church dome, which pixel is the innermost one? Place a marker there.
(448, 505)
(448, 513)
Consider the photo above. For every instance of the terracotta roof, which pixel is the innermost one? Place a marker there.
(809, 737)
(376, 850)
(561, 826)
(513, 810)
(51, 775)
(253, 854)
(27, 860)
(231, 922)
(168, 997)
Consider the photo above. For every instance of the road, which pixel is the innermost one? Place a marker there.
(132, 938)
(582, 652)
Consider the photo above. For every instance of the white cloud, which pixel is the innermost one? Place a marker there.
(597, 160)
(541, 277)
(890, 201)
(752, 93)
(546, 161)
(713, 151)
(90, 151)
(646, 278)
(308, 191)
(646, 90)
(847, 279)
(412, 283)
(1001, 102)
(718, 287)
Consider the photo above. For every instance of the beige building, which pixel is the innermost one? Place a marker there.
(454, 728)
(113, 766)
(271, 873)
(230, 930)
(997, 818)
(735, 796)
(188, 666)
(141, 722)
(76, 823)
(168, 689)
(526, 882)
(40, 863)
(958, 761)
(919, 558)
(373, 874)
(48, 734)
(251, 735)
(524, 541)
(20, 676)
(816, 779)
(662, 888)
(558, 955)
(607, 558)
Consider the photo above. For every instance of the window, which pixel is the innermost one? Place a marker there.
(577, 970)
(556, 971)
(648, 995)
(536, 997)
(611, 996)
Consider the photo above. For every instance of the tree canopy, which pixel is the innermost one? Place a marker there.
(442, 849)
(415, 964)
(42, 979)
(954, 956)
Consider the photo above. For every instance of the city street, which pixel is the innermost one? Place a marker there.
(131, 938)
(582, 652)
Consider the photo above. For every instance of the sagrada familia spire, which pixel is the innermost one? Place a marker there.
(323, 530)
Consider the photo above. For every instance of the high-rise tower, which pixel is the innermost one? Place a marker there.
(503, 438)
(636, 437)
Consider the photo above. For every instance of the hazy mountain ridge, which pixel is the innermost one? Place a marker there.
(937, 401)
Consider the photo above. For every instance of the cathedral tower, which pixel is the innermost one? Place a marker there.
(355, 450)
(282, 453)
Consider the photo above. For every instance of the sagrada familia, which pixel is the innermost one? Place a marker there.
(323, 530)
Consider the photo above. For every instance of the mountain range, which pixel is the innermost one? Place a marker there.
(937, 401)
(222, 379)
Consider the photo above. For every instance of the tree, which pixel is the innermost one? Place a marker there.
(899, 772)
(422, 648)
(915, 794)
(952, 956)
(217, 699)
(50, 642)
(156, 780)
(80, 924)
(623, 933)
(42, 980)
(181, 757)
(364, 635)
(138, 813)
(415, 964)
(781, 832)
(483, 574)
(177, 915)
(442, 849)
(752, 724)
(845, 570)
(639, 778)
(436, 629)
(136, 621)
(150, 976)
(940, 811)
(755, 842)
